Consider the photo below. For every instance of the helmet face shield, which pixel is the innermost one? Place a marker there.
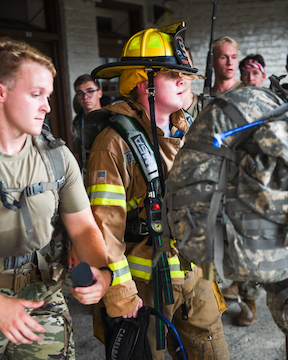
(182, 74)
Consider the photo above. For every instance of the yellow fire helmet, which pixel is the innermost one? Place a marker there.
(151, 50)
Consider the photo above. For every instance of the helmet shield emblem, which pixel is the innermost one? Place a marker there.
(179, 47)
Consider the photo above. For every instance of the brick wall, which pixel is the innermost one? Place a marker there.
(259, 26)
(80, 38)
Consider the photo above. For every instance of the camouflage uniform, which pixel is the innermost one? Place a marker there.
(56, 342)
(196, 172)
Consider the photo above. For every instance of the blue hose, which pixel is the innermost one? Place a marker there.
(172, 327)
(280, 110)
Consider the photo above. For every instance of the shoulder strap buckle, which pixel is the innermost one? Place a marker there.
(34, 189)
(61, 182)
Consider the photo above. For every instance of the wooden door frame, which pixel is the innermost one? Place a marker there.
(135, 13)
(60, 119)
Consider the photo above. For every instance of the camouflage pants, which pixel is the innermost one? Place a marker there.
(56, 342)
(278, 309)
(249, 290)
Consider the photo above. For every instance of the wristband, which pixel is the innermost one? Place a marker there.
(111, 272)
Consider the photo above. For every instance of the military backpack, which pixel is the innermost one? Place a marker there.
(227, 207)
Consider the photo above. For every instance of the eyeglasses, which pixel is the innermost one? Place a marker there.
(81, 94)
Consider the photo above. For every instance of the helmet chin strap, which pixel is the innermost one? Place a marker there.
(151, 99)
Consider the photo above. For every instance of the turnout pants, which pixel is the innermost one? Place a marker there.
(202, 334)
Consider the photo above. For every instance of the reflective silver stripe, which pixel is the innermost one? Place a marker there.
(120, 272)
(174, 267)
(144, 268)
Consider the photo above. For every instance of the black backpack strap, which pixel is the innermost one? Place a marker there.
(233, 113)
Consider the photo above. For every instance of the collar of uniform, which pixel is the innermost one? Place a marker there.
(121, 107)
(132, 109)
(179, 121)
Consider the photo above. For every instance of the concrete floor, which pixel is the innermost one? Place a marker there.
(260, 341)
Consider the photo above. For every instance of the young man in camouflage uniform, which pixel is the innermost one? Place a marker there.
(34, 318)
(225, 63)
(252, 69)
(117, 190)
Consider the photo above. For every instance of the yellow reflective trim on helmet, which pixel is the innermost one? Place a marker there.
(135, 43)
(167, 37)
(154, 42)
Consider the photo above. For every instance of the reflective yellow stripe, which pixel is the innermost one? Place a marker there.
(121, 272)
(106, 194)
(173, 260)
(142, 268)
(139, 260)
(175, 271)
(172, 244)
(133, 203)
(121, 279)
(106, 187)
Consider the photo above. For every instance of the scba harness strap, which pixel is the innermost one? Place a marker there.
(144, 153)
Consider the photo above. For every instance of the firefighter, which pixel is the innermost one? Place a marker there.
(152, 71)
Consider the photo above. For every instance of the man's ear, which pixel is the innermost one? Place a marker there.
(2, 92)
(143, 86)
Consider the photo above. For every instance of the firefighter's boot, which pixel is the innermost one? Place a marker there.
(244, 319)
(228, 294)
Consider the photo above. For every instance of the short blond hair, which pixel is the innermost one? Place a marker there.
(12, 55)
(224, 39)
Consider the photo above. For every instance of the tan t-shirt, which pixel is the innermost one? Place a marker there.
(26, 168)
(216, 93)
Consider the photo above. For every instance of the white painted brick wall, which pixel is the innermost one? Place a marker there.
(80, 36)
(259, 26)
